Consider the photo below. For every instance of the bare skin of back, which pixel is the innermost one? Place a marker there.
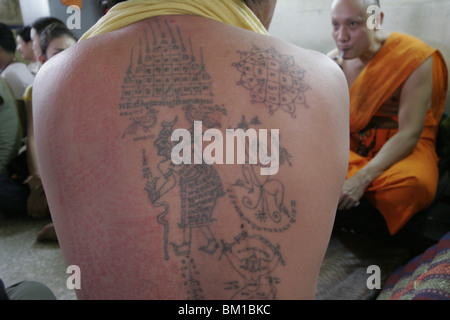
(140, 226)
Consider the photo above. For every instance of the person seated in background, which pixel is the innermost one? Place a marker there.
(25, 47)
(13, 193)
(37, 27)
(37, 202)
(26, 291)
(398, 86)
(55, 38)
(140, 226)
(15, 77)
(15, 73)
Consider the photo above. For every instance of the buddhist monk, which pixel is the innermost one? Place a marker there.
(397, 87)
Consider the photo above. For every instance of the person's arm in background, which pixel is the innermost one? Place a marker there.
(37, 202)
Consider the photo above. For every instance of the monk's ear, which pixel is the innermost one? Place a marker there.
(379, 21)
(381, 18)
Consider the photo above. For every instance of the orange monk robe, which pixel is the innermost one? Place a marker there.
(409, 185)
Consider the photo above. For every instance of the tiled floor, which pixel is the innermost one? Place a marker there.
(23, 258)
(343, 274)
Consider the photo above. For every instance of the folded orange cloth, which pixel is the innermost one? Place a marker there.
(78, 3)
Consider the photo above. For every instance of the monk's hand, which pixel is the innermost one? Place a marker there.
(352, 192)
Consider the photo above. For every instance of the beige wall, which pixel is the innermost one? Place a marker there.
(307, 23)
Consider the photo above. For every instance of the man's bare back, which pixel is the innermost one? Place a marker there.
(140, 226)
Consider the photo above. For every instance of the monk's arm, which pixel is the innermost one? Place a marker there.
(415, 100)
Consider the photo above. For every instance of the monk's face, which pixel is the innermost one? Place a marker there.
(350, 30)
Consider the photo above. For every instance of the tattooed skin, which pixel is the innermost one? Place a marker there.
(254, 262)
(273, 80)
(165, 72)
(200, 188)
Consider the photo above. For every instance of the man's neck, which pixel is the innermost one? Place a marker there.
(378, 42)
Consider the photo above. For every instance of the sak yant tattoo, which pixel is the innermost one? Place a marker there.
(254, 259)
(259, 200)
(200, 187)
(164, 73)
(167, 72)
(273, 80)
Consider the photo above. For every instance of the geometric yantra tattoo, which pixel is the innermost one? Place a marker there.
(273, 80)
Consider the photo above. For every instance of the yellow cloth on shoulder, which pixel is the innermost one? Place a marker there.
(233, 12)
(28, 95)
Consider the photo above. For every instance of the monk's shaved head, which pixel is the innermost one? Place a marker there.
(372, 2)
(364, 3)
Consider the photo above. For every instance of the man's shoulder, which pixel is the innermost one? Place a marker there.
(5, 91)
(400, 40)
(20, 70)
(18, 67)
(314, 61)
